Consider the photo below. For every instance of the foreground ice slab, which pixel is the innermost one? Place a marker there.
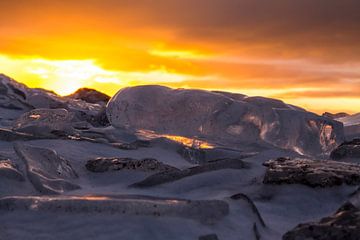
(223, 118)
(314, 173)
(48, 172)
(205, 211)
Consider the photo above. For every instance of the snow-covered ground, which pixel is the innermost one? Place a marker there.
(105, 205)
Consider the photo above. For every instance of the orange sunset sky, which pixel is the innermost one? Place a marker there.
(304, 52)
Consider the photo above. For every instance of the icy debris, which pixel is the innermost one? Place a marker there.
(174, 175)
(90, 96)
(193, 155)
(41, 98)
(12, 94)
(92, 113)
(223, 118)
(202, 156)
(47, 171)
(59, 124)
(314, 173)
(132, 145)
(344, 224)
(9, 170)
(350, 149)
(205, 211)
(11, 135)
(44, 122)
(111, 164)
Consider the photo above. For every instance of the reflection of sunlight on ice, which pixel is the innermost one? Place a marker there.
(34, 205)
(189, 142)
(328, 129)
(94, 198)
(174, 201)
(35, 116)
(326, 136)
(235, 129)
(299, 151)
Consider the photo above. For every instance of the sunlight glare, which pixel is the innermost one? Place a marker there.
(66, 76)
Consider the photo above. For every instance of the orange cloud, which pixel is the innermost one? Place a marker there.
(275, 49)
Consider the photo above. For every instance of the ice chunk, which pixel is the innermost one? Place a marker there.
(47, 171)
(223, 118)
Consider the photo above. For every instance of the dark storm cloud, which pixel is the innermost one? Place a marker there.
(328, 29)
(293, 23)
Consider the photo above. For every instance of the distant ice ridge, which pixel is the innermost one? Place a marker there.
(350, 120)
(224, 118)
(351, 125)
(17, 98)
